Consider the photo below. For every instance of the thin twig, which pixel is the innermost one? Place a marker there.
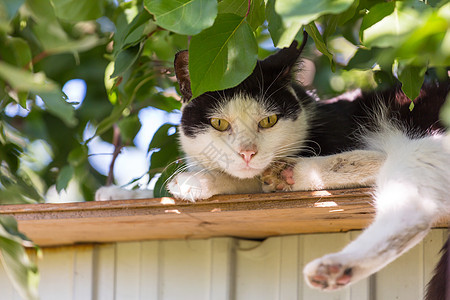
(117, 149)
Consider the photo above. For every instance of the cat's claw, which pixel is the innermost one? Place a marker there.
(279, 177)
(327, 275)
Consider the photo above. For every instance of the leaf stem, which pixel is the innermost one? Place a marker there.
(248, 8)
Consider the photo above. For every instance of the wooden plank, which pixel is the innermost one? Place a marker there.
(244, 216)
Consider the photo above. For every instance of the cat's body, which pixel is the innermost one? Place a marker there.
(268, 134)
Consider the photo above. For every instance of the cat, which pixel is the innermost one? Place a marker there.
(269, 134)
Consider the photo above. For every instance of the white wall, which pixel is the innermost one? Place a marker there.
(219, 269)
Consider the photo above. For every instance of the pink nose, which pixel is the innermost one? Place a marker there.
(247, 155)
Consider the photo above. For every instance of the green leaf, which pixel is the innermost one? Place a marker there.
(282, 35)
(256, 15)
(23, 80)
(129, 128)
(64, 176)
(56, 104)
(295, 13)
(183, 16)
(222, 56)
(376, 14)
(78, 156)
(411, 78)
(393, 28)
(313, 32)
(125, 59)
(80, 10)
(22, 272)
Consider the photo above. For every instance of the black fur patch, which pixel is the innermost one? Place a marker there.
(267, 85)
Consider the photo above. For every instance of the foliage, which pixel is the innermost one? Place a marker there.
(124, 53)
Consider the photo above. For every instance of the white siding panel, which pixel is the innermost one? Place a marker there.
(222, 269)
(149, 276)
(57, 273)
(83, 273)
(104, 272)
(185, 270)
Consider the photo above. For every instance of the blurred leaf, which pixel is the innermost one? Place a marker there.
(129, 128)
(282, 34)
(227, 50)
(64, 176)
(78, 156)
(183, 16)
(391, 29)
(295, 13)
(23, 80)
(376, 14)
(411, 78)
(130, 34)
(313, 32)
(79, 10)
(125, 59)
(364, 58)
(56, 104)
(21, 271)
(445, 112)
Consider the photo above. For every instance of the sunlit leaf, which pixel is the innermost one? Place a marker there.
(183, 16)
(79, 10)
(227, 51)
(295, 13)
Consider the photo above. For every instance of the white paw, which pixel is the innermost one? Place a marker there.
(328, 273)
(113, 192)
(192, 186)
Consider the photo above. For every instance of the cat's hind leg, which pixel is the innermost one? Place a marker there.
(411, 194)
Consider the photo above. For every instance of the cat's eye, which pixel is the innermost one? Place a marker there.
(268, 122)
(220, 124)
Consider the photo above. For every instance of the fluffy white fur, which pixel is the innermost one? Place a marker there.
(410, 195)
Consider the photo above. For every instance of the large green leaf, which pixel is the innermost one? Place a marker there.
(183, 16)
(295, 13)
(79, 10)
(222, 56)
(23, 80)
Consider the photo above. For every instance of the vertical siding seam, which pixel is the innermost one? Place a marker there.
(160, 258)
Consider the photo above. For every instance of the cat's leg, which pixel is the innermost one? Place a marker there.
(411, 194)
(193, 186)
(114, 192)
(344, 170)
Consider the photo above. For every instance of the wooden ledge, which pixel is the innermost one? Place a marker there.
(253, 216)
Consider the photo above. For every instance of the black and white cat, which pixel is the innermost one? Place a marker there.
(268, 134)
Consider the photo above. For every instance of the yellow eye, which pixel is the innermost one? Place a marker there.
(268, 122)
(220, 124)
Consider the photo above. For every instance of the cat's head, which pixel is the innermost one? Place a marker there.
(244, 129)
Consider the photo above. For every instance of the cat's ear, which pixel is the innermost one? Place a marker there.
(182, 72)
(284, 60)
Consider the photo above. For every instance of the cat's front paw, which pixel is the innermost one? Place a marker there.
(328, 273)
(279, 177)
(192, 186)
